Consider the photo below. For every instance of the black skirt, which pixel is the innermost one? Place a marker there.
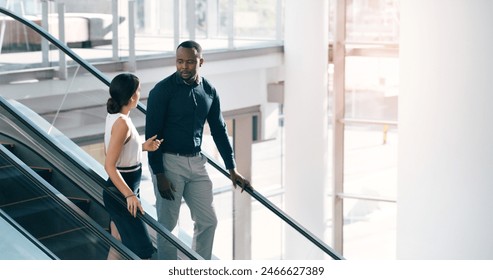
(133, 231)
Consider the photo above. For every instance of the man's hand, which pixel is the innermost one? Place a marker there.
(164, 186)
(239, 180)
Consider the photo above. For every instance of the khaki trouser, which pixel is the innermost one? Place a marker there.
(192, 183)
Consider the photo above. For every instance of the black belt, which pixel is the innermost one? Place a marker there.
(127, 168)
(183, 154)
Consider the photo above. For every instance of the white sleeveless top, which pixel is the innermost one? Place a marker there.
(131, 153)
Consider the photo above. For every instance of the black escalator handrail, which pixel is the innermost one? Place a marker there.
(93, 70)
(264, 201)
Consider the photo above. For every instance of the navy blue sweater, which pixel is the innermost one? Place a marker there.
(176, 112)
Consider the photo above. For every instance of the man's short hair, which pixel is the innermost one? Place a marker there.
(191, 45)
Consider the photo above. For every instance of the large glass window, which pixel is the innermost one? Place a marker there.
(100, 30)
(370, 89)
(372, 21)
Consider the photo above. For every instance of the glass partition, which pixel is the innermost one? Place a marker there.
(370, 185)
(372, 86)
(367, 33)
(16, 244)
(371, 161)
(372, 21)
(371, 133)
(370, 230)
(268, 241)
(267, 174)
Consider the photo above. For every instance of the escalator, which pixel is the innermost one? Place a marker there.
(59, 223)
(71, 177)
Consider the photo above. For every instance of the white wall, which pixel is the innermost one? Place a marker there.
(237, 88)
(242, 82)
(445, 185)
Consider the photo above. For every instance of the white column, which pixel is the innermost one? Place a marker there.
(242, 202)
(445, 165)
(306, 122)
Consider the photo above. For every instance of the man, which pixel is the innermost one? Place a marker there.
(177, 109)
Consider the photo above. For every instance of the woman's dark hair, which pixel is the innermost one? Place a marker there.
(122, 88)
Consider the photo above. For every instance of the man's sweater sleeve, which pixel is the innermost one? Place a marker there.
(156, 109)
(220, 134)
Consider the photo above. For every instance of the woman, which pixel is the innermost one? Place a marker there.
(123, 149)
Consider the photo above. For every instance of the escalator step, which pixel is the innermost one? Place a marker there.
(82, 203)
(12, 188)
(45, 173)
(9, 146)
(75, 244)
(39, 216)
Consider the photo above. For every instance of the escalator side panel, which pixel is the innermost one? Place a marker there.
(49, 216)
(18, 244)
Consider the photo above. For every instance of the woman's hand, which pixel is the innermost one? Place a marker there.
(152, 144)
(133, 205)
